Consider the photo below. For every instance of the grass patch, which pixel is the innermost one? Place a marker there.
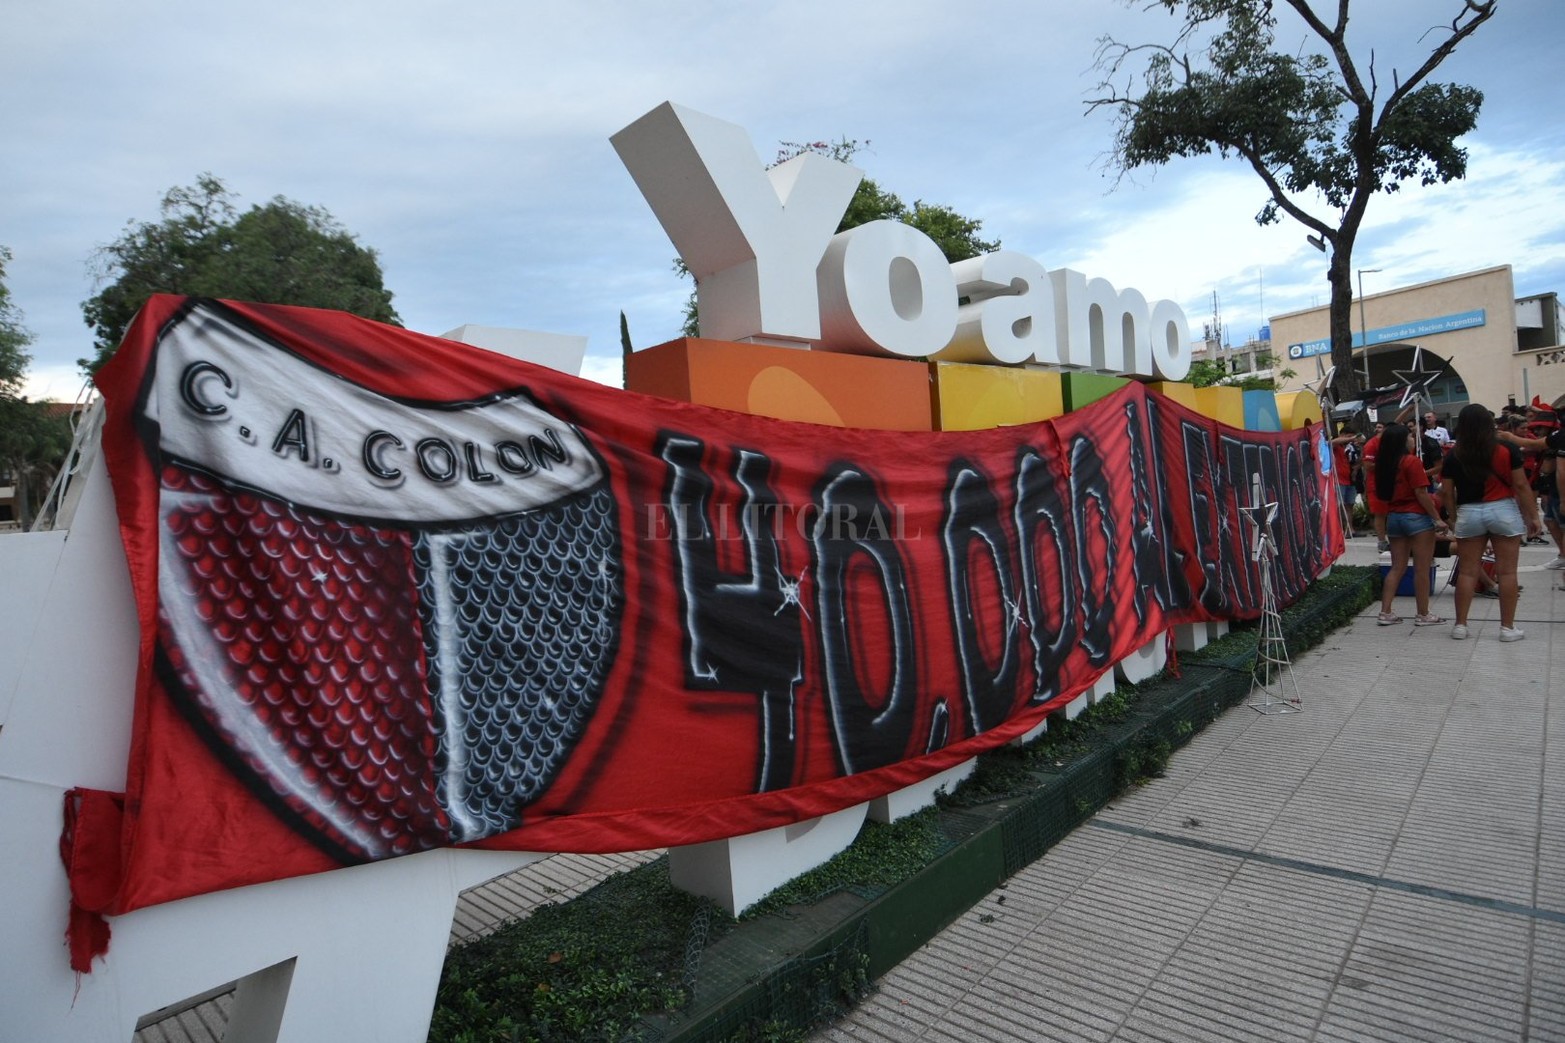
(587, 969)
(883, 855)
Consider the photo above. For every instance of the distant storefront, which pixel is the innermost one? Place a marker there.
(1490, 346)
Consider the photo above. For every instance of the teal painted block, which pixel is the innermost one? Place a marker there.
(1260, 411)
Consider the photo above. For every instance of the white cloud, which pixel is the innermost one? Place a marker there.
(469, 145)
(54, 383)
(604, 370)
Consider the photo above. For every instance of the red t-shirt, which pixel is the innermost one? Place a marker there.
(1339, 463)
(1410, 478)
(1376, 504)
(1496, 483)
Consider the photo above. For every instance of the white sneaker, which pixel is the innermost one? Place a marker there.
(1459, 632)
(1512, 633)
(1557, 563)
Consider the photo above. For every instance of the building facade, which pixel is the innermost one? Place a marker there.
(1491, 347)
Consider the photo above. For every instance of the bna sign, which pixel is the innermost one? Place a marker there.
(770, 267)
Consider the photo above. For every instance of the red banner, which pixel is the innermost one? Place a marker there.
(397, 593)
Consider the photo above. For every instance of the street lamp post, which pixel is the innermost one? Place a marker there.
(1363, 326)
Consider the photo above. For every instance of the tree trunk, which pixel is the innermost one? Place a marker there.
(24, 509)
(1345, 382)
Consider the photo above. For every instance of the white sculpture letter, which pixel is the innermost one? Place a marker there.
(1170, 341)
(1070, 318)
(1010, 314)
(1118, 322)
(751, 237)
(886, 289)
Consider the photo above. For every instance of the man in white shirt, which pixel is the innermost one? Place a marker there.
(1434, 429)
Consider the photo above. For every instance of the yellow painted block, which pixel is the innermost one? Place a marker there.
(1298, 407)
(1177, 390)
(972, 398)
(1223, 404)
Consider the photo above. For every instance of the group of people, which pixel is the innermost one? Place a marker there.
(1480, 485)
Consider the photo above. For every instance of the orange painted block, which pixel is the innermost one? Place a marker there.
(1223, 404)
(1177, 390)
(1295, 408)
(972, 398)
(787, 383)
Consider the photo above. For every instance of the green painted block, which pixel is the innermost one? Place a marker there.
(1082, 389)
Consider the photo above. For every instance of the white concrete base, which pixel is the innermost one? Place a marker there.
(740, 871)
(1144, 663)
(1217, 628)
(1100, 690)
(1103, 687)
(1032, 733)
(917, 797)
(259, 1001)
(1191, 637)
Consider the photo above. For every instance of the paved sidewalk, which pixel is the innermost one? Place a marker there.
(1387, 865)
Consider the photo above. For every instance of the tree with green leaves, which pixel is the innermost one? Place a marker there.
(1209, 372)
(1313, 125)
(280, 253)
(957, 236)
(14, 338)
(34, 436)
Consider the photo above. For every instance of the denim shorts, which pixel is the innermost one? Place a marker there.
(1408, 523)
(1489, 518)
(1551, 507)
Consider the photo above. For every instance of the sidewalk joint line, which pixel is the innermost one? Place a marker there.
(1353, 876)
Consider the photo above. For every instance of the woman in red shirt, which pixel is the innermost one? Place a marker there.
(1486, 491)
(1377, 506)
(1412, 519)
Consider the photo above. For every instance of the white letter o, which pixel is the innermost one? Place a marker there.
(885, 289)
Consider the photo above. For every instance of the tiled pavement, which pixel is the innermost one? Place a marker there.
(1388, 864)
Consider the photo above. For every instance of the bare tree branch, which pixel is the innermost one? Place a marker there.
(1477, 14)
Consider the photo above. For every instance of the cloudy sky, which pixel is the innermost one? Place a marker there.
(468, 144)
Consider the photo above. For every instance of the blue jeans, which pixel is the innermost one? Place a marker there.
(1408, 523)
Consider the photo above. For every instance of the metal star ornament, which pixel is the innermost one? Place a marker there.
(1417, 379)
(1261, 515)
(1321, 385)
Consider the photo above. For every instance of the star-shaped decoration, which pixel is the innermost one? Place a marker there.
(1320, 387)
(1261, 515)
(1417, 379)
(789, 589)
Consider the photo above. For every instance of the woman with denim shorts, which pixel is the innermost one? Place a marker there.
(1485, 489)
(1412, 520)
